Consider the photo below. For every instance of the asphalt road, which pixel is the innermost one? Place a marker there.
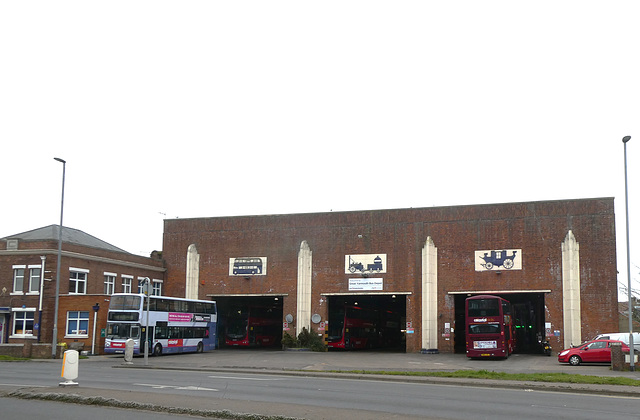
(329, 398)
(259, 382)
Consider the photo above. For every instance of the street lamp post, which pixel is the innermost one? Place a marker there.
(625, 139)
(54, 344)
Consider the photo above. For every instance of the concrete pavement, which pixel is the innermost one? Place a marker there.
(307, 361)
(352, 364)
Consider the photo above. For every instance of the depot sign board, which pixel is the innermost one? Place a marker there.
(365, 284)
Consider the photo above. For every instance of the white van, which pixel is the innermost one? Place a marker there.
(624, 337)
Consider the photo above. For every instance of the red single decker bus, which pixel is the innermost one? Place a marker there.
(490, 327)
(253, 326)
(353, 327)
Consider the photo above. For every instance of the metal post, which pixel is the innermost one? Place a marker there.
(625, 139)
(95, 308)
(145, 290)
(54, 345)
(43, 259)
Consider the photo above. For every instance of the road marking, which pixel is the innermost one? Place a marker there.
(187, 388)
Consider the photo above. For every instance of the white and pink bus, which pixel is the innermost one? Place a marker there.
(176, 325)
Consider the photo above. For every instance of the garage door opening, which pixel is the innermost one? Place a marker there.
(367, 322)
(249, 321)
(529, 317)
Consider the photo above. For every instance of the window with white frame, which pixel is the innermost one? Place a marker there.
(141, 282)
(157, 288)
(126, 284)
(77, 324)
(34, 278)
(78, 281)
(23, 323)
(18, 278)
(109, 283)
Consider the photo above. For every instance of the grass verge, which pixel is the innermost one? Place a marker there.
(530, 377)
(4, 358)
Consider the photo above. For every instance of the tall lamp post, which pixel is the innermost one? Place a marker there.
(54, 344)
(625, 139)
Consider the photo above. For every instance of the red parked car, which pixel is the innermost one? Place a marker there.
(591, 352)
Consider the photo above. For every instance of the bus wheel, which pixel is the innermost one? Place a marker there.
(157, 350)
(200, 347)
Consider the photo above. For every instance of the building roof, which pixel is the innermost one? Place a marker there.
(69, 235)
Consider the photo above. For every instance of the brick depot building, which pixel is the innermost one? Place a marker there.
(555, 261)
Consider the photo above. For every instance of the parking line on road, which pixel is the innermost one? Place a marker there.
(187, 388)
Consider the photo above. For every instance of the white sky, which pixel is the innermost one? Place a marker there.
(201, 108)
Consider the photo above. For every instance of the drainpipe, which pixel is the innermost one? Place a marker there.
(43, 258)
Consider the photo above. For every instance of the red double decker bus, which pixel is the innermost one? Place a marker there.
(490, 327)
(353, 327)
(253, 326)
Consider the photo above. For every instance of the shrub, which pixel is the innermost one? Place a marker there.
(306, 339)
(288, 341)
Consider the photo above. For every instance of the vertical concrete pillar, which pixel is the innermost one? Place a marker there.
(303, 311)
(571, 314)
(193, 273)
(429, 295)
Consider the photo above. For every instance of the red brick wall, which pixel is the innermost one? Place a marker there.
(538, 228)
